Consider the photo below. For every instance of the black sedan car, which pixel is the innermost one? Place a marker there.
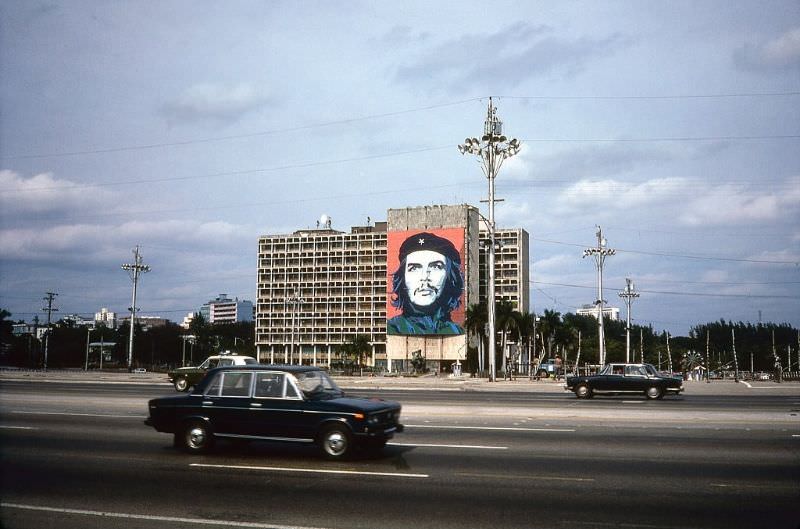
(625, 378)
(278, 403)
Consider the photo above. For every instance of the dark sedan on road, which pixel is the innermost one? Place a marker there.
(278, 403)
(625, 378)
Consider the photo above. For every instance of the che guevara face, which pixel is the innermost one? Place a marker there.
(425, 274)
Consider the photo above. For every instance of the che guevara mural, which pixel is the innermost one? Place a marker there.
(425, 283)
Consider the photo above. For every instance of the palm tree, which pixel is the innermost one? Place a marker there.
(507, 321)
(526, 327)
(549, 326)
(475, 321)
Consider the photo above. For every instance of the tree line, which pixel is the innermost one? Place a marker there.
(156, 347)
(542, 337)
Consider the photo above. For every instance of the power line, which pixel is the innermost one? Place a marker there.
(285, 130)
(672, 293)
(681, 256)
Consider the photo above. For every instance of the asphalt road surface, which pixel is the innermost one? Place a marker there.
(79, 455)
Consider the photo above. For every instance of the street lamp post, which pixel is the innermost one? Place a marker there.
(492, 150)
(600, 252)
(628, 295)
(293, 300)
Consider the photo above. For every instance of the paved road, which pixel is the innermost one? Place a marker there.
(77, 453)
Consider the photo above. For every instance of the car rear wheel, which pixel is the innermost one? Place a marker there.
(335, 442)
(543, 374)
(654, 392)
(582, 391)
(181, 384)
(196, 438)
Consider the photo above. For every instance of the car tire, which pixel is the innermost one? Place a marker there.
(335, 442)
(181, 384)
(542, 374)
(196, 438)
(654, 392)
(582, 391)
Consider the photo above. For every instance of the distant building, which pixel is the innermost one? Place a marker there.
(187, 320)
(226, 310)
(147, 322)
(612, 313)
(105, 318)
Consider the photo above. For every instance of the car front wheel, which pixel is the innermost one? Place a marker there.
(181, 384)
(335, 442)
(654, 392)
(542, 374)
(196, 438)
(583, 391)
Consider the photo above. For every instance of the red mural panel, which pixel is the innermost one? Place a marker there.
(425, 286)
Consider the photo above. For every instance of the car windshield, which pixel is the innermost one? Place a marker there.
(317, 384)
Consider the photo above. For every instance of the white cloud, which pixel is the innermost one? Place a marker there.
(43, 193)
(731, 205)
(782, 52)
(214, 102)
(616, 194)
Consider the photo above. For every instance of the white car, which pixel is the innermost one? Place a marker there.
(184, 378)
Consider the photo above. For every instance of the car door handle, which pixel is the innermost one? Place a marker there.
(208, 402)
(255, 404)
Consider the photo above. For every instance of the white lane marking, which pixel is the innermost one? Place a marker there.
(494, 428)
(795, 436)
(3, 427)
(150, 517)
(632, 401)
(79, 414)
(746, 384)
(426, 445)
(311, 470)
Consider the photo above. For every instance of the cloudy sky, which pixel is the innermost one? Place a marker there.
(192, 128)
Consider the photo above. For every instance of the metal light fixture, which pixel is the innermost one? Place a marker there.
(600, 252)
(492, 150)
(628, 295)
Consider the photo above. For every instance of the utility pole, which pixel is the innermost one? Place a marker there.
(628, 295)
(49, 308)
(600, 252)
(134, 269)
(492, 150)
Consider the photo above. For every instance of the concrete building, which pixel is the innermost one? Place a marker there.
(105, 318)
(318, 288)
(512, 266)
(612, 313)
(226, 310)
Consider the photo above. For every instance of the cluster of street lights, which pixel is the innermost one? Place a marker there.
(492, 150)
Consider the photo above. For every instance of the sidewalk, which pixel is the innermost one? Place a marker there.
(428, 382)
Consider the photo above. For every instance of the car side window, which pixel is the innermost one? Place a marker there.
(214, 386)
(634, 371)
(225, 362)
(269, 385)
(291, 390)
(617, 370)
(236, 384)
(212, 363)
